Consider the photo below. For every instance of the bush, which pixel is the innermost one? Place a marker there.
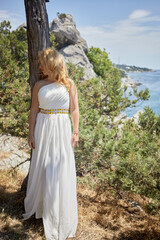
(149, 121)
(134, 161)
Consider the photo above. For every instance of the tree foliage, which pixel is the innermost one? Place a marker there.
(100, 60)
(116, 99)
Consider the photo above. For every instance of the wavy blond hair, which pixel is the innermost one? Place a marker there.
(54, 64)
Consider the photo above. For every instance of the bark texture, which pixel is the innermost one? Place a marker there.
(37, 33)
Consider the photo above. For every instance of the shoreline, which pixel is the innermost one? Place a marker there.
(139, 71)
(129, 82)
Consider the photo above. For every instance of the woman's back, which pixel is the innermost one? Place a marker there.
(53, 96)
(52, 187)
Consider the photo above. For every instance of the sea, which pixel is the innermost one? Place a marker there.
(150, 80)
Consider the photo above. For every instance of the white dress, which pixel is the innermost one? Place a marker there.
(52, 188)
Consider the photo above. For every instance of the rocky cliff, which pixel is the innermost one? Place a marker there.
(70, 43)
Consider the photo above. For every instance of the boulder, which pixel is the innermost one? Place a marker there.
(23, 25)
(64, 29)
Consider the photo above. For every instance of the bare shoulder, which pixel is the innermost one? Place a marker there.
(72, 82)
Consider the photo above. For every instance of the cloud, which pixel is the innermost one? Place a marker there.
(139, 14)
(12, 17)
(136, 40)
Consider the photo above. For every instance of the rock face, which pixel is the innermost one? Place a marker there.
(71, 45)
(14, 153)
(23, 25)
(64, 28)
(76, 55)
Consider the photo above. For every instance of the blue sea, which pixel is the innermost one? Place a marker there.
(150, 80)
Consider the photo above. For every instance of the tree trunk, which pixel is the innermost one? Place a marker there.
(38, 39)
(37, 34)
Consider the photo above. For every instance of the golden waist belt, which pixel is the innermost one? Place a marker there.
(52, 111)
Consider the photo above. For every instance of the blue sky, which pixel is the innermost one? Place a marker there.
(128, 30)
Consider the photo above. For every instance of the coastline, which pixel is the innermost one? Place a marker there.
(129, 82)
(150, 80)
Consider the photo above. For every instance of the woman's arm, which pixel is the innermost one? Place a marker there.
(33, 114)
(73, 106)
(74, 110)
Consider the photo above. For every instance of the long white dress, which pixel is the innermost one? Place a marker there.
(52, 188)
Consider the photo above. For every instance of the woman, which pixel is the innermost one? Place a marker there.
(51, 188)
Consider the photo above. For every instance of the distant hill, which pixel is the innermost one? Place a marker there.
(128, 68)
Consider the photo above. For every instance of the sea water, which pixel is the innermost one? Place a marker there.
(150, 80)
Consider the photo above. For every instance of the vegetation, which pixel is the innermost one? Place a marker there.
(115, 98)
(61, 15)
(127, 159)
(14, 91)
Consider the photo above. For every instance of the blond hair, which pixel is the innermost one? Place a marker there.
(54, 64)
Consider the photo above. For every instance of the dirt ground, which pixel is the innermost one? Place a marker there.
(102, 215)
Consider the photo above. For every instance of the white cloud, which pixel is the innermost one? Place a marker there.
(132, 40)
(12, 17)
(139, 14)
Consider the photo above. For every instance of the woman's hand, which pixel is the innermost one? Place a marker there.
(74, 140)
(31, 141)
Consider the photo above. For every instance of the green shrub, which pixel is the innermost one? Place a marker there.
(149, 121)
(135, 158)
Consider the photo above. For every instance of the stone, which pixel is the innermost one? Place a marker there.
(136, 116)
(76, 55)
(129, 82)
(66, 33)
(14, 153)
(121, 116)
(23, 25)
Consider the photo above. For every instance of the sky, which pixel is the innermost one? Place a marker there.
(128, 30)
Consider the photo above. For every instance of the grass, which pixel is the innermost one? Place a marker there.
(104, 216)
